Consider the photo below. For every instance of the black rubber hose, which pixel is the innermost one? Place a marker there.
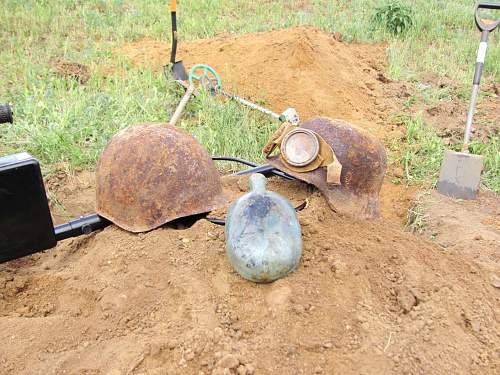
(5, 114)
(265, 169)
(237, 160)
(217, 221)
(83, 225)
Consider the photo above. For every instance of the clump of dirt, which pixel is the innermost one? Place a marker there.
(302, 67)
(71, 69)
(366, 298)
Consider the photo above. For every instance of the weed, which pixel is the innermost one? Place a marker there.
(395, 17)
(421, 153)
(228, 128)
(416, 217)
(490, 151)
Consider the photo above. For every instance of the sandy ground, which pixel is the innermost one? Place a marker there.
(367, 297)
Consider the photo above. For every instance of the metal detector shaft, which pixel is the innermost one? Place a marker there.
(251, 105)
(84, 225)
(178, 111)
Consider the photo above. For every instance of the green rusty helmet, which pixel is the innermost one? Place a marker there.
(151, 174)
(363, 163)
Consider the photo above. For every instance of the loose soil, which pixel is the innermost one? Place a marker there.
(71, 69)
(469, 228)
(448, 115)
(301, 67)
(367, 297)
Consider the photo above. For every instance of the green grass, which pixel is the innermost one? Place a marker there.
(230, 129)
(60, 120)
(421, 152)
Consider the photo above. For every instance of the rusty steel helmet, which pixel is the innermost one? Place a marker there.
(151, 174)
(350, 179)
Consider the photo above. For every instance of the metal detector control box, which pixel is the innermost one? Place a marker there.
(25, 222)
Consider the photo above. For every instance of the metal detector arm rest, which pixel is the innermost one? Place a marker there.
(83, 225)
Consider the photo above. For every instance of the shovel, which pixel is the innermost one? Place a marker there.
(178, 69)
(461, 172)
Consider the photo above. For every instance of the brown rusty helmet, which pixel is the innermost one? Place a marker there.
(363, 159)
(151, 174)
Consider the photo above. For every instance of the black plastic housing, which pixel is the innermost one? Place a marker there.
(5, 114)
(25, 223)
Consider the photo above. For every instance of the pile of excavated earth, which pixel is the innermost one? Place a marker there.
(368, 297)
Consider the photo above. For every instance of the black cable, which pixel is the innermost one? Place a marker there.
(237, 160)
(265, 169)
(91, 223)
(256, 168)
(216, 221)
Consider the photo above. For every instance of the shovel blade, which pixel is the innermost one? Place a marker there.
(179, 71)
(460, 175)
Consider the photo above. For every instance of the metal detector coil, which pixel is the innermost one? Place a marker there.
(208, 78)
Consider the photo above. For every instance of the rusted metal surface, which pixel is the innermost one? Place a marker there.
(364, 163)
(151, 174)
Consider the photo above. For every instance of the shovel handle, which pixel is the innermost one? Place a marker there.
(173, 16)
(486, 25)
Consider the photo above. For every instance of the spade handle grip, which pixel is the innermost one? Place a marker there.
(486, 25)
(488, 5)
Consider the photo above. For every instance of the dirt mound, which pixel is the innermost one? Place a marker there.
(304, 68)
(71, 69)
(301, 67)
(366, 298)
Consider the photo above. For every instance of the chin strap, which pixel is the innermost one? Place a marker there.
(277, 138)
